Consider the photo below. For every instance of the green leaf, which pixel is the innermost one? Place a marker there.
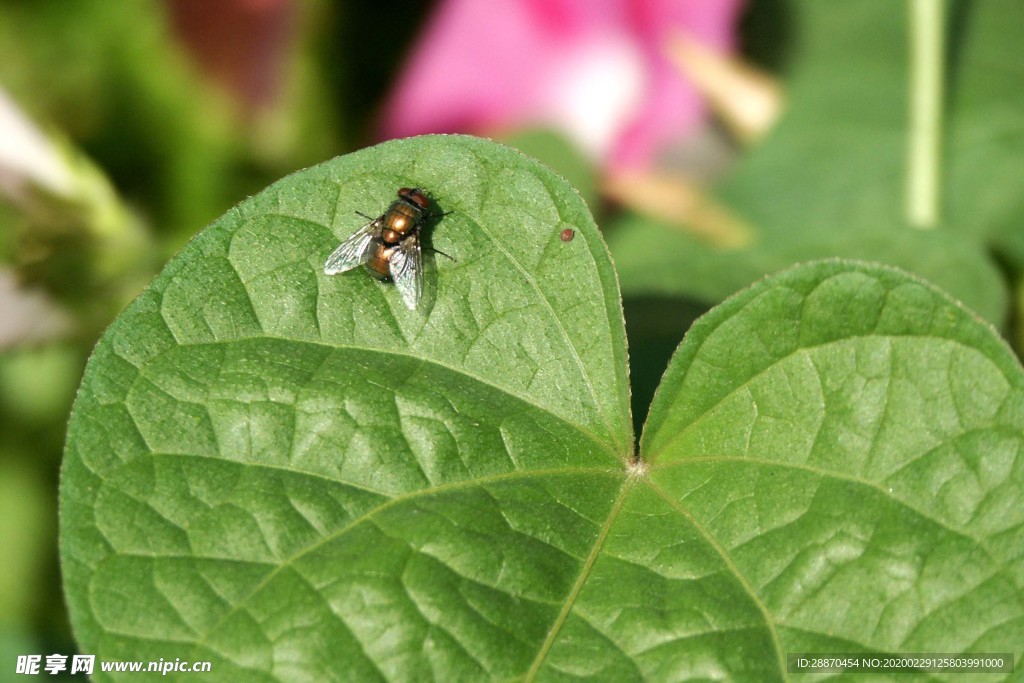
(683, 266)
(294, 477)
(555, 150)
(250, 419)
(851, 439)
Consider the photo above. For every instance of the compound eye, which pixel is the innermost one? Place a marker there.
(416, 196)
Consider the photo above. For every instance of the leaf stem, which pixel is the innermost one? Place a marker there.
(927, 39)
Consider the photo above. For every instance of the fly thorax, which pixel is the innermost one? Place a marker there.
(401, 217)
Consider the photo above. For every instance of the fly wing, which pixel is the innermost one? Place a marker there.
(354, 251)
(407, 271)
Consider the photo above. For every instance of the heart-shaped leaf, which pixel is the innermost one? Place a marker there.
(295, 478)
(850, 440)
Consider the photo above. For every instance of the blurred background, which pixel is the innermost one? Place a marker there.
(716, 141)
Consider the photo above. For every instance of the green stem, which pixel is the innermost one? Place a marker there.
(927, 38)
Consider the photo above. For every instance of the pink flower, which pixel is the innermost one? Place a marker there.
(594, 69)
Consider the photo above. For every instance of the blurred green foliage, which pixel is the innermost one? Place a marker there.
(830, 179)
(167, 150)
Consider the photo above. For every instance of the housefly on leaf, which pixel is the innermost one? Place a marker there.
(390, 246)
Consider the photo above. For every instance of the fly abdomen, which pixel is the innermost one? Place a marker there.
(379, 263)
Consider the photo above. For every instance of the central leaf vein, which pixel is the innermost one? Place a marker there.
(588, 565)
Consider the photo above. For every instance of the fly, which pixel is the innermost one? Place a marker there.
(390, 246)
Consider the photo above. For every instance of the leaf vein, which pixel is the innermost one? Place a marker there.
(585, 570)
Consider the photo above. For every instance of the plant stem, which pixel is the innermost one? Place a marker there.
(927, 39)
